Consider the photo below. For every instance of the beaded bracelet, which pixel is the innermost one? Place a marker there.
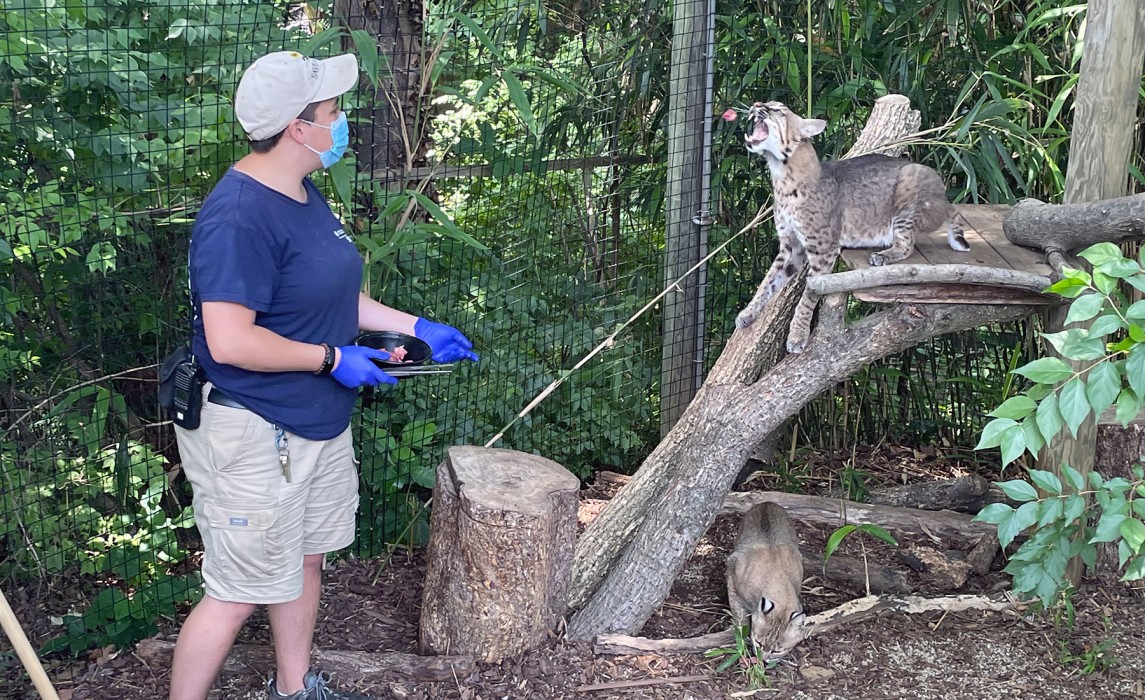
(327, 361)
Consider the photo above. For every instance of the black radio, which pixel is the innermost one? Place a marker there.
(181, 388)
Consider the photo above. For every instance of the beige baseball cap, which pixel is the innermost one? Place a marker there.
(277, 87)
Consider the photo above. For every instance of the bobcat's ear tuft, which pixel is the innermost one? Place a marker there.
(811, 127)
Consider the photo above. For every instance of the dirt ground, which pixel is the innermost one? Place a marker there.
(373, 606)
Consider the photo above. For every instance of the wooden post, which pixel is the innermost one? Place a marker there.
(1101, 141)
(687, 215)
(500, 553)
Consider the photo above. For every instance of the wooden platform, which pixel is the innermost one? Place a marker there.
(988, 248)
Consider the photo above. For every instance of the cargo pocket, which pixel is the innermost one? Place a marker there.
(245, 548)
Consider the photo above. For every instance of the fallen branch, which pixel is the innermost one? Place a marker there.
(839, 512)
(1065, 228)
(640, 683)
(373, 666)
(848, 613)
(871, 277)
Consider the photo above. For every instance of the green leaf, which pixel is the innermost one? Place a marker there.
(1069, 287)
(1024, 517)
(1046, 481)
(1133, 531)
(1046, 370)
(1031, 436)
(1076, 344)
(1102, 387)
(1074, 507)
(479, 34)
(1073, 404)
(1105, 324)
(1015, 407)
(1013, 444)
(835, 540)
(880, 533)
(1049, 419)
(1128, 406)
(1049, 511)
(1108, 528)
(1084, 308)
(1136, 570)
(1073, 477)
(1018, 490)
(520, 100)
(994, 513)
(342, 176)
(1100, 253)
(367, 47)
(1105, 284)
(1120, 269)
(442, 218)
(1135, 370)
(993, 433)
(1136, 311)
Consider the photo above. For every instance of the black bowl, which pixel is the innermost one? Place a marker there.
(417, 352)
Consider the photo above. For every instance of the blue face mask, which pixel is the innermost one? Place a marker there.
(339, 140)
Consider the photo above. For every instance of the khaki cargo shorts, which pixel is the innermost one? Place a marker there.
(256, 526)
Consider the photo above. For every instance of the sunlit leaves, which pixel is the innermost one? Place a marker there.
(1107, 349)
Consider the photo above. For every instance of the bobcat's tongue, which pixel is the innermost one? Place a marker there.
(757, 136)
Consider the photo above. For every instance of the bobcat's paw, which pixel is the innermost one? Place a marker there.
(745, 319)
(877, 260)
(796, 343)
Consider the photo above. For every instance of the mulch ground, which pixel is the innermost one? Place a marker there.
(373, 606)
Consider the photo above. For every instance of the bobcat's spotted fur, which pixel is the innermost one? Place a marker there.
(873, 201)
(765, 571)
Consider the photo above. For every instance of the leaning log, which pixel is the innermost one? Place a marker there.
(629, 556)
(1068, 228)
(376, 666)
(500, 548)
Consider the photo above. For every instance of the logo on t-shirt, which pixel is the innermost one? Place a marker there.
(341, 233)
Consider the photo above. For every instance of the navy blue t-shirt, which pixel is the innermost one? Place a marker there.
(293, 265)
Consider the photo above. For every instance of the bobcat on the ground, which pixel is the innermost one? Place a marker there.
(873, 201)
(764, 572)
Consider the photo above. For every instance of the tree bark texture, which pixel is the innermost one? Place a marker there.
(624, 568)
(891, 120)
(388, 137)
(1119, 447)
(1068, 228)
(501, 541)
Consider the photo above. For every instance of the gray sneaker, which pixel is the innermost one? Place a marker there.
(316, 686)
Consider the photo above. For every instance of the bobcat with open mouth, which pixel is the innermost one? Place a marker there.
(872, 201)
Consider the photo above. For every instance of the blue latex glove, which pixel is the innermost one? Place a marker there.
(355, 367)
(447, 343)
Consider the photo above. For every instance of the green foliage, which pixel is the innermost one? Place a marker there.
(1089, 659)
(742, 655)
(1109, 344)
(843, 532)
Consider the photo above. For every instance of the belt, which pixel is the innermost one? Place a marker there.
(216, 395)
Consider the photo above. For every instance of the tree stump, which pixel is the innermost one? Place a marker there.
(500, 552)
